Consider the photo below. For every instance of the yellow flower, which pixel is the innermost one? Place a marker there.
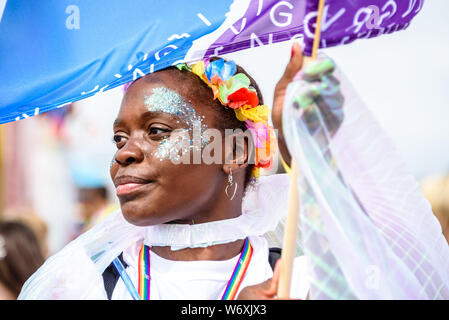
(198, 68)
(256, 114)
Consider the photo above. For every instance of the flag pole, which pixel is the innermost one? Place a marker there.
(291, 223)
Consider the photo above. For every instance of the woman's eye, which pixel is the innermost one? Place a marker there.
(118, 139)
(157, 131)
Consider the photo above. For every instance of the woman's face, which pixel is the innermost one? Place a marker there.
(152, 189)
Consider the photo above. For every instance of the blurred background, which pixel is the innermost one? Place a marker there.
(54, 168)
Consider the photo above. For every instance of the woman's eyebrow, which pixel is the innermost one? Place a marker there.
(153, 114)
(148, 115)
(116, 122)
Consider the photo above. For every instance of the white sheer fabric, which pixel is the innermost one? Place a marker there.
(365, 225)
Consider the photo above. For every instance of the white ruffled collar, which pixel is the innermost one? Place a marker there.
(262, 209)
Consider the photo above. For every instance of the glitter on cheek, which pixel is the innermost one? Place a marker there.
(168, 101)
(174, 146)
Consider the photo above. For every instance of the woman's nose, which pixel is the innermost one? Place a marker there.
(130, 153)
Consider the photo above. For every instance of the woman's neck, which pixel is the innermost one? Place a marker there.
(219, 208)
(216, 252)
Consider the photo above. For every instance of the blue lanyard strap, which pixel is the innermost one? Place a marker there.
(125, 277)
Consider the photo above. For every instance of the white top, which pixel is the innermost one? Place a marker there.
(205, 279)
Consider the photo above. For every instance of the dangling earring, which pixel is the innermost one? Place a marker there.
(231, 184)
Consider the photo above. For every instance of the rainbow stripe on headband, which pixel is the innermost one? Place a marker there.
(234, 91)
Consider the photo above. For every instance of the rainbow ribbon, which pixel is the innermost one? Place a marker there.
(231, 289)
(144, 273)
(239, 272)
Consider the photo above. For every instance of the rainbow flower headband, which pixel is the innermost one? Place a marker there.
(234, 90)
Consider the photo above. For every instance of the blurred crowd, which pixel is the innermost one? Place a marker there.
(54, 184)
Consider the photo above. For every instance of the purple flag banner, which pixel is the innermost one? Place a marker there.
(346, 21)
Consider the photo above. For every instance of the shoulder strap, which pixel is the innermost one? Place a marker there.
(111, 276)
(274, 255)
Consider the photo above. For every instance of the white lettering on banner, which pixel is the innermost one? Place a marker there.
(357, 23)
(421, 2)
(36, 111)
(118, 75)
(177, 36)
(259, 8)
(323, 43)
(344, 40)
(137, 71)
(307, 18)
(297, 36)
(73, 20)
(411, 5)
(387, 15)
(288, 15)
(157, 54)
(325, 23)
(94, 89)
(392, 26)
(255, 38)
(2, 8)
(364, 35)
(217, 49)
(242, 26)
(64, 104)
(203, 18)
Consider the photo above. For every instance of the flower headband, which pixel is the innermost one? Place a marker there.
(234, 90)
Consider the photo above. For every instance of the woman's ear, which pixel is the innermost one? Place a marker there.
(236, 150)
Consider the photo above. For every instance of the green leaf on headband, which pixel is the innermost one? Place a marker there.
(183, 66)
(235, 83)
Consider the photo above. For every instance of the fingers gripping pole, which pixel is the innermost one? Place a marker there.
(291, 229)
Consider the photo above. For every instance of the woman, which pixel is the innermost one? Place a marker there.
(192, 239)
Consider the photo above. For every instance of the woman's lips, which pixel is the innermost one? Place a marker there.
(128, 184)
(128, 188)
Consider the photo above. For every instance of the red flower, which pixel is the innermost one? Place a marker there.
(243, 97)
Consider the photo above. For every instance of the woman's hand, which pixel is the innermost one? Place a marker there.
(320, 94)
(293, 67)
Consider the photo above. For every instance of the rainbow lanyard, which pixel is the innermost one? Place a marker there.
(231, 289)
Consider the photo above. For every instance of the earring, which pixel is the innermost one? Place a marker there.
(230, 185)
